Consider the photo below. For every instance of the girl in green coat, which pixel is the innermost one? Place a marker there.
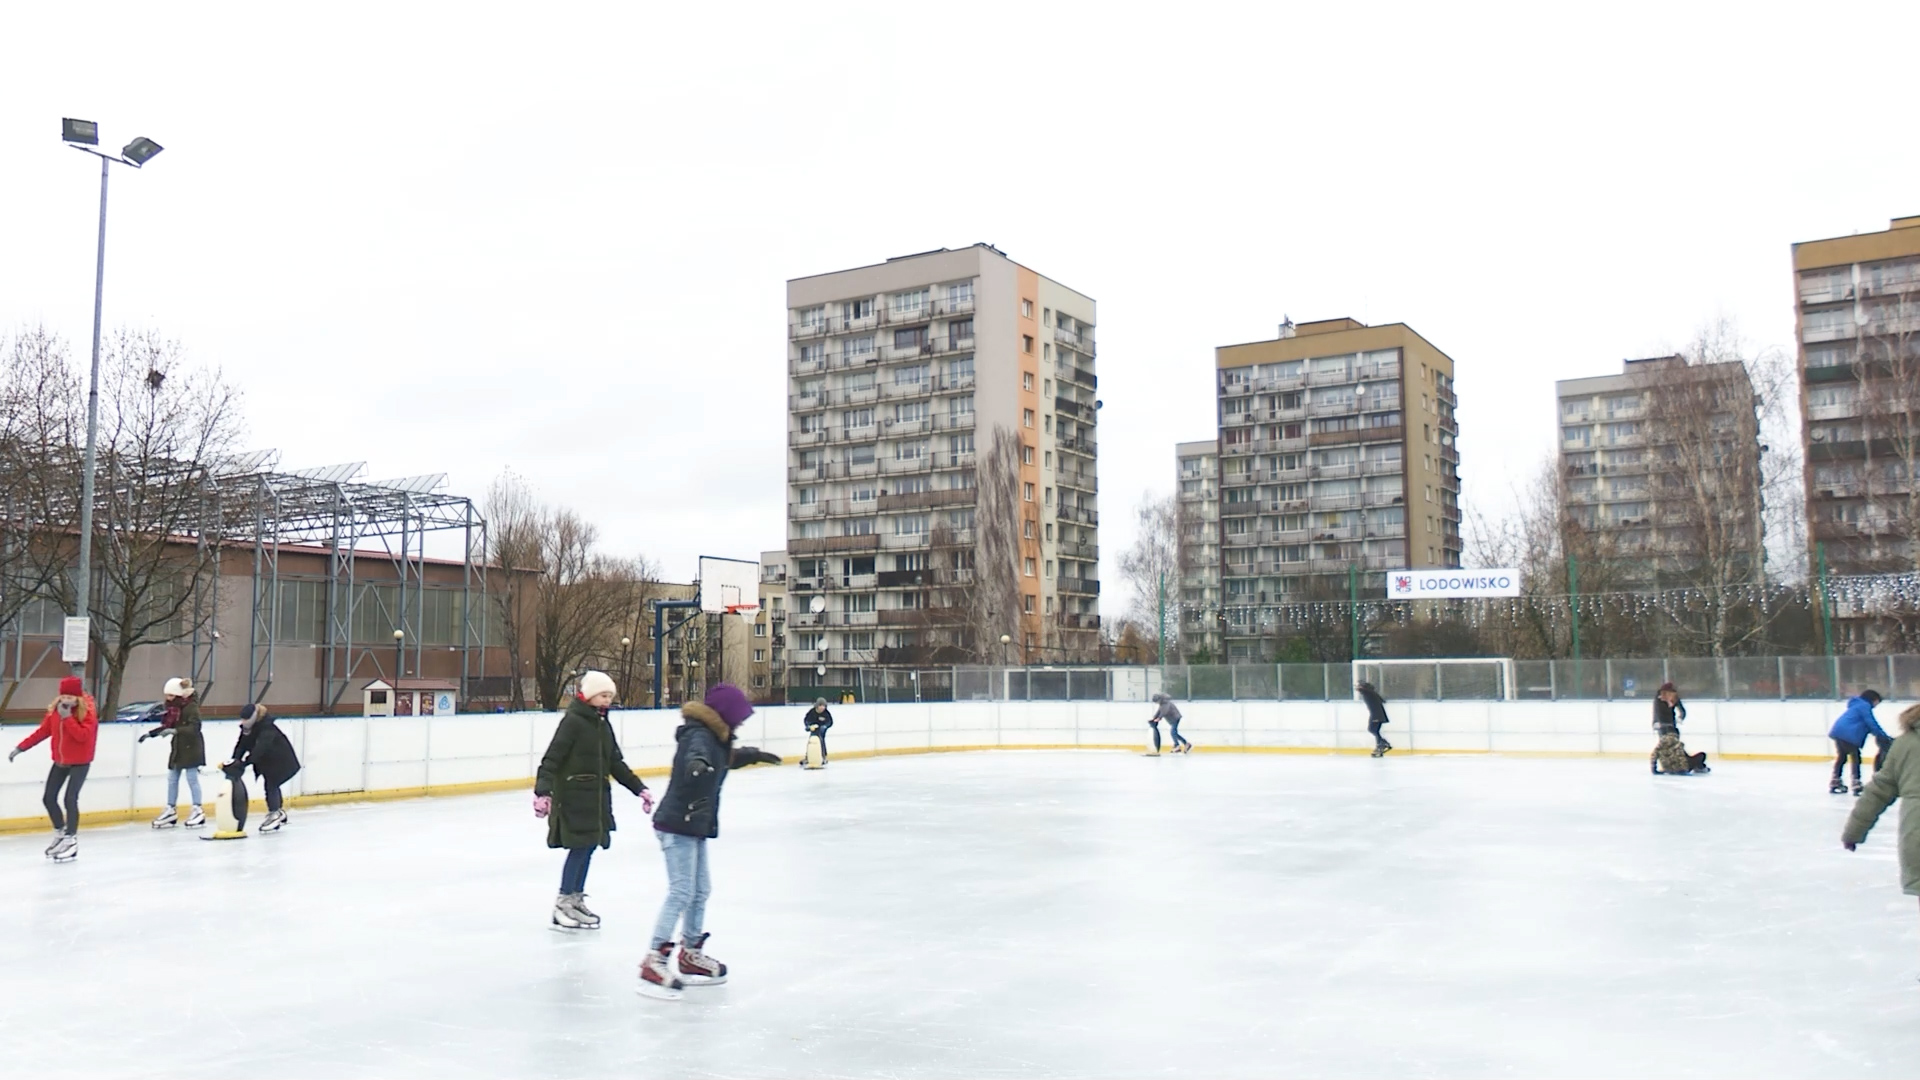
(571, 791)
(180, 719)
(1899, 779)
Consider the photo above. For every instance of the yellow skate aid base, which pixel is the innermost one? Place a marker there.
(147, 813)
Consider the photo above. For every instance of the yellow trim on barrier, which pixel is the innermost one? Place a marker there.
(483, 787)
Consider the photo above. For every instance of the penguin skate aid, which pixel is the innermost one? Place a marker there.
(178, 717)
(572, 793)
(689, 816)
(71, 727)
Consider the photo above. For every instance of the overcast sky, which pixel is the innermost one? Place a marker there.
(531, 237)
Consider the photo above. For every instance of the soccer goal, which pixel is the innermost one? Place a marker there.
(1483, 678)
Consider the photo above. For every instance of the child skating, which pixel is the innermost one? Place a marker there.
(688, 817)
(74, 726)
(1376, 717)
(817, 721)
(265, 747)
(1849, 735)
(1899, 778)
(1169, 712)
(180, 721)
(571, 791)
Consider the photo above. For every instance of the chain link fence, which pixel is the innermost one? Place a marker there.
(1743, 678)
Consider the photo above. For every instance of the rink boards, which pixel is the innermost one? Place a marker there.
(401, 756)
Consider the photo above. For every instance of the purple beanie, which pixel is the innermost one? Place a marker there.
(732, 705)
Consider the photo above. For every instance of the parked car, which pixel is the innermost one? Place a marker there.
(135, 710)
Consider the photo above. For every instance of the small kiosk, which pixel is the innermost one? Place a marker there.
(410, 697)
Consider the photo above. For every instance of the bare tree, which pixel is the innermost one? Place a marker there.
(1151, 568)
(515, 523)
(164, 429)
(36, 391)
(579, 601)
(992, 597)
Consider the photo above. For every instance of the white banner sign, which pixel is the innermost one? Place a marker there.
(73, 640)
(1446, 584)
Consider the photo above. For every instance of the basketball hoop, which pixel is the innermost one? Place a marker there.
(745, 611)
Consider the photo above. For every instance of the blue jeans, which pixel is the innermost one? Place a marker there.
(687, 887)
(173, 786)
(573, 876)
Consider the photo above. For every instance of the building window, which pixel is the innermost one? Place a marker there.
(1026, 311)
(855, 310)
(1049, 569)
(1026, 455)
(1026, 528)
(1049, 457)
(911, 338)
(1026, 381)
(759, 629)
(1029, 609)
(813, 317)
(1026, 567)
(1026, 417)
(1026, 346)
(1026, 492)
(759, 656)
(1049, 497)
(908, 303)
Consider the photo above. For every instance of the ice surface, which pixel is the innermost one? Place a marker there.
(1007, 914)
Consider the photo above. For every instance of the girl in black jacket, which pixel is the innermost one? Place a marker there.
(265, 747)
(688, 817)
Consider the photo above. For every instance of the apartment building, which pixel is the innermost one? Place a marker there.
(1337, 455)
(1197, 499)
(1858, 322)
(1660, 467)
(941, 466)
(769, 645)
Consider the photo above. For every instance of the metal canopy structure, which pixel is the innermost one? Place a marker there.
(246, 501)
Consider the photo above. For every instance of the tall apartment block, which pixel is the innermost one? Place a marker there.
(1859, 332)
(1338, 454)
(902, 375)
(1661, 465)
(770, 631)
(1197, 502)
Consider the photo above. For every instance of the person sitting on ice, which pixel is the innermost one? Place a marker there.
(1670, 754)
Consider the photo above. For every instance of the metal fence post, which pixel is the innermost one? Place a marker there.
(1726, 680)
(1553, 680)
(1608, 695)
(1780, 667)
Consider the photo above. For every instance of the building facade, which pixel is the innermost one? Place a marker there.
(770, 631)
(1197, 511)
(1660, 472)
(941, 466)
(1338, 457)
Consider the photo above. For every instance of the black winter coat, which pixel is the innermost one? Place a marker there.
(574, 772)
(1376, 705)
(1666, 718)
(818, 717)
(701, 761)
(266, 748)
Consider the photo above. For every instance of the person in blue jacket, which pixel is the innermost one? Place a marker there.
(1850, 733)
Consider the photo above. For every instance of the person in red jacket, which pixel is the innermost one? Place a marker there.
(72, 723)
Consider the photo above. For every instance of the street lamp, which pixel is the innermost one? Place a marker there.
(84, 135)
(399, 643)
(626, 668)
(1005, 640)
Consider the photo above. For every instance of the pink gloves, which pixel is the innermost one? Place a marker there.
(542, 805)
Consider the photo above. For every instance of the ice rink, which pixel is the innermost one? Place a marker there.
(1007, 914)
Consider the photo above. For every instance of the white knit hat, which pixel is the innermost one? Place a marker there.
(596, 682)
(179, 688)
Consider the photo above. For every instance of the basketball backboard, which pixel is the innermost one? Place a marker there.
(729, 585)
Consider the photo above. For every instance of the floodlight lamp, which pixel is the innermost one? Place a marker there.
(140, 151)
(80, 132)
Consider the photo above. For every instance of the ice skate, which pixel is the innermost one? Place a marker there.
(275, 821)
(166, 820)
(577, 903)
(1857, 789)
(66, 849)
(564, 917)
(1377, 752)
(54, 843)
(1836, 788)
(195, 819)
(696, 967)
(656, 980)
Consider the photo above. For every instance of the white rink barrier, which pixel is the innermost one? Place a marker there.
(345, 758)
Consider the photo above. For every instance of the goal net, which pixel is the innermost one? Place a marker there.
(1482, 678)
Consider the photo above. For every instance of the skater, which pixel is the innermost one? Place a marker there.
(180, 720)
(73, 725)
(1376, 716)
(688, 817)
(265, 747)
(817, 721)
(1669, 753)
(1849, 734)
(572, 793)
(1900, 779)
(1169, 712)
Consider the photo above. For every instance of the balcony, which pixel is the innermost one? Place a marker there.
(1370, 372)
(900, 429)
(1076, 549)
(1072, 408)
(1330, 472)
(947, 383)
(1066, 372)
(852, 656)
(1272, 382)
(1383, 498)
(820, 544)
(953, 305)
(1357, 435)
(1068, 621)
(1334, 408)
(804, 473)
(893, 389)
(1384, 466)
(1079, 481)
(807, 438)
(1828, 332)
(1073, 339)
(920, 500)
(906, 314)
(1076, 444)
(1077, 514)
(898, 466)
(800, 331)
(1087, 586)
